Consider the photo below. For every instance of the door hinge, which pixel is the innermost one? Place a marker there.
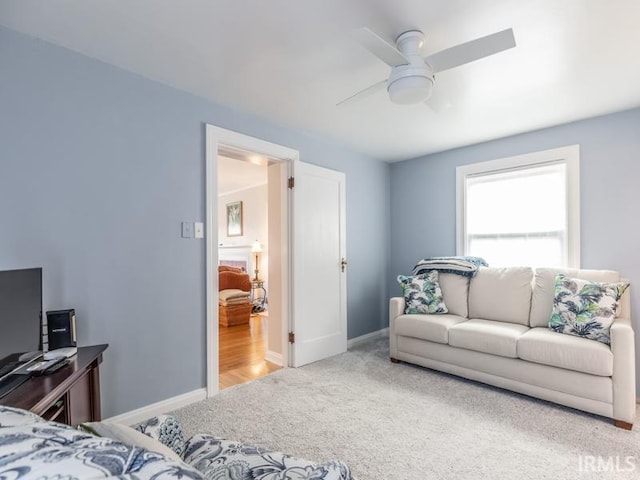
(291, 182)
(292, 337)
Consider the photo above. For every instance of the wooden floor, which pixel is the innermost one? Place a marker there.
(242, 350)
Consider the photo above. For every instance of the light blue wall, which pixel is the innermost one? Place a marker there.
(423, 216)
(98, 167)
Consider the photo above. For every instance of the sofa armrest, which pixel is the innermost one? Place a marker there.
(396, 307)
(624, 370)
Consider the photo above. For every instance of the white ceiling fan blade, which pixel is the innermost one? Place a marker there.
(364, 93)
(380, 47)
(473, 50)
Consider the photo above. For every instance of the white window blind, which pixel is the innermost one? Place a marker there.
(520, 211)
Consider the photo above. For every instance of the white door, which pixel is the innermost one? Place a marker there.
(319, 276)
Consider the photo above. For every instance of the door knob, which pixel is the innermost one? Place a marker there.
(343, 264)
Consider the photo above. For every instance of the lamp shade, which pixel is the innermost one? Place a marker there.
(257, 247)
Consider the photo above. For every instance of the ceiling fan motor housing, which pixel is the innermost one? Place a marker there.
(413, 82)
(408, 85)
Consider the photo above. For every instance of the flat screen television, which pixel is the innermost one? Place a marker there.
(20, 312)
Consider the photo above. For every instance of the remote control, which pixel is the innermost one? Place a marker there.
(56, 366)
(41, 367)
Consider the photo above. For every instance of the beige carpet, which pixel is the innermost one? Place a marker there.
(391, 421)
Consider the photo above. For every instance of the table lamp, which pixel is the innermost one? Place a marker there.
(256, 249)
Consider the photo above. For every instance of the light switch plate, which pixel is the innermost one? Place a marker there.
(187, 230)
(198, 229)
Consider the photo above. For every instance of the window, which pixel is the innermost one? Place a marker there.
(521, 210)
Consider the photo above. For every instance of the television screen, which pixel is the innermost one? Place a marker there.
(20, 311)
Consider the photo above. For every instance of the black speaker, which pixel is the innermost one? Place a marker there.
(61, 328)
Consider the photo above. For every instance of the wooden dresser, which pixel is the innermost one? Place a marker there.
(71, 395)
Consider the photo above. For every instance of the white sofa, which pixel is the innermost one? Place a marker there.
(496, 332)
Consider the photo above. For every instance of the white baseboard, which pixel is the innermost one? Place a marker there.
(158, 408)
(274, 357)
(367, 336)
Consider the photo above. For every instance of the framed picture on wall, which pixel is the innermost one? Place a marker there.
(234, 219)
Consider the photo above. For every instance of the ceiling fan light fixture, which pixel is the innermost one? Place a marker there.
(412, 75)
(410, 90)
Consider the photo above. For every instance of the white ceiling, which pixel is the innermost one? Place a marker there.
(291, 61)
(235, 175)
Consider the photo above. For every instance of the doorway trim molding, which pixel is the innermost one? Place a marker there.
(217, 137)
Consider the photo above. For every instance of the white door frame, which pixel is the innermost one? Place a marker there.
(215, 138)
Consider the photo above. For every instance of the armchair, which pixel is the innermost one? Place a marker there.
(234, 304)
(235, 278)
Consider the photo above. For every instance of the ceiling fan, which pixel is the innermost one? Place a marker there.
(412, 76)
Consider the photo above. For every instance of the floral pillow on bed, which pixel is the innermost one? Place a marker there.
(219, 459)
(165, 429)
(422, 293)
(585, 309)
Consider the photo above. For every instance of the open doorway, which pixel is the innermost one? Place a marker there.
(306, 253)
(243, 267)
(269, 324)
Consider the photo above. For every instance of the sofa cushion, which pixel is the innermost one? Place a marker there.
(422, 293)
(530, 378)
(541, 345)
(434, 328)
(455, 292)
(544, 290)
(585, 309)
(501, 294)
(488, 336)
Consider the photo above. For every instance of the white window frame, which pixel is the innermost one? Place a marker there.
(569, 155)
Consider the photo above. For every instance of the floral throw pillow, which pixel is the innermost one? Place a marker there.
(585, 309)
(422, 293)
(166, 429)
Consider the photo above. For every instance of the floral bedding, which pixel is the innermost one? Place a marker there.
(217, 458)
(32, 448)
(221, 459)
